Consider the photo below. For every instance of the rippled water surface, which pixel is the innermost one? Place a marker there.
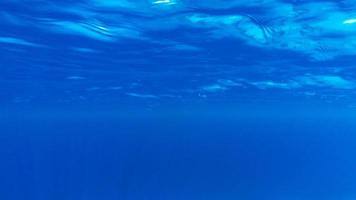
(177, 99)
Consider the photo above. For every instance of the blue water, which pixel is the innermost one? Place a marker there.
(177, 100)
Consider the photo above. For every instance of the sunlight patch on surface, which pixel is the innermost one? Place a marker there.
(326, 81)
(277, 85)
(18, 41)
(145, 96)
(214, 88)
(167, 2)
(349, 21)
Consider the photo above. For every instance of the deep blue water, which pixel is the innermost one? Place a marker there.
(177, 100)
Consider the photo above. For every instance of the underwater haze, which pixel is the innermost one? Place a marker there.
(177, 100)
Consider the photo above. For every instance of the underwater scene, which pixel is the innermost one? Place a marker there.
(178, 100)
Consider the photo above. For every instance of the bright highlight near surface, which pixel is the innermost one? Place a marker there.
(164, 2)
(349, 21)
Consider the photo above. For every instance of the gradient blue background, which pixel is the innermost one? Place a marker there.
(177, 99)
